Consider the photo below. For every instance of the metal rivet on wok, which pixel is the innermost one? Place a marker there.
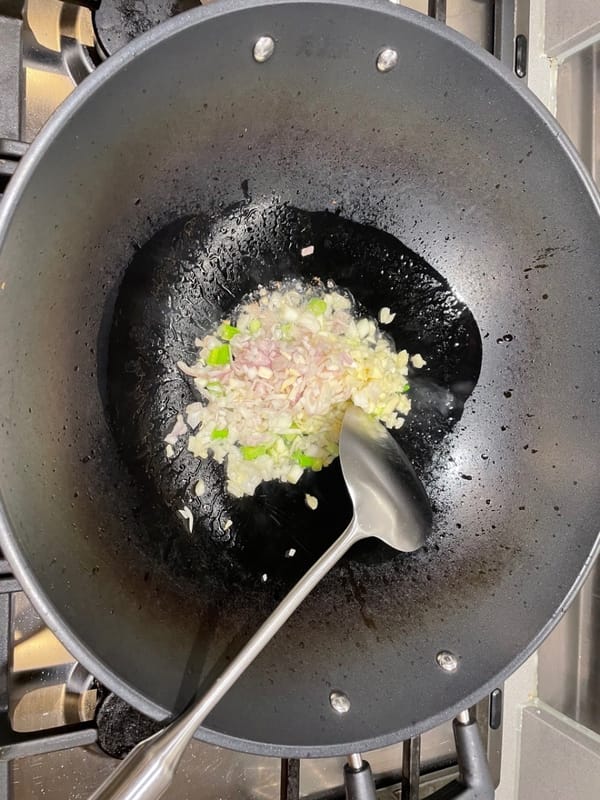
(339, 701)
(387, 60)
(263, 49)
(447, 661)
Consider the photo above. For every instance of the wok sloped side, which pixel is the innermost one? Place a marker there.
(443, 152)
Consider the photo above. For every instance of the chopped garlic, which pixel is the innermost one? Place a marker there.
(188, 517)
(307, 251)
(264, 577)
(178, 430)
(295, 474)
(290, 553)
(200, 488)
(417, 361)
(386, 316)
(363, 328)
(311, 501)
(227, 524)
(169, 451)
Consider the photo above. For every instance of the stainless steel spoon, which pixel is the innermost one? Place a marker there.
(390, 504)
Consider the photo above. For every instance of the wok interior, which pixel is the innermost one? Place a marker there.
(440, 153)
(180, 285)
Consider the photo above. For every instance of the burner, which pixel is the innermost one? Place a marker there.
(121, 727)
(117, 22)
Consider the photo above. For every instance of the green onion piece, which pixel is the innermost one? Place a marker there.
(249, 453)
(214, 386)
(254, 325)
(219, 433)
(405, 388)
(286, 329)
(219, 355)
(307, 462)
(227, 332)
(317, 306)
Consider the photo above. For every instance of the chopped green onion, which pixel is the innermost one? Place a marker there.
(307, 462)
(254, 326)
(227, 331)
(219, 433)
(286, 330)
(250, 453)
(317, 306)
(215, 386)
(219, 355)
(405, 388)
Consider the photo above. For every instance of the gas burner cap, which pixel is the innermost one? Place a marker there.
(117, 22)
(121, 727)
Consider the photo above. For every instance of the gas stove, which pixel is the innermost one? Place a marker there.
(61, 731)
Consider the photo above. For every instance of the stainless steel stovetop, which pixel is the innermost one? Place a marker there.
(53, 740)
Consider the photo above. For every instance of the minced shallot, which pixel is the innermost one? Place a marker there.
(275, 379)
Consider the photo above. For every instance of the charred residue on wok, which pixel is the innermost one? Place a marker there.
(178, 286)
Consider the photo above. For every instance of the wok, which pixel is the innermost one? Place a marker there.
(446, 154)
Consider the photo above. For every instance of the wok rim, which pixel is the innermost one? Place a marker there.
(8, 206)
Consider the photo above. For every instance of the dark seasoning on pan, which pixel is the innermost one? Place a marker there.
(191, 275)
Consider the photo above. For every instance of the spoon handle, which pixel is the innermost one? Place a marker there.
(148, 770)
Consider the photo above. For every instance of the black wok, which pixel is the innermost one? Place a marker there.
(446, 154)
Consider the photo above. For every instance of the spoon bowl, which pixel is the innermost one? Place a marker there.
(390, 502)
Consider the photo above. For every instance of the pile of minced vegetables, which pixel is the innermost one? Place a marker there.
(275, 379)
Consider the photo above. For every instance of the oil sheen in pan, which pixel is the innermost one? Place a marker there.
(178, 286)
